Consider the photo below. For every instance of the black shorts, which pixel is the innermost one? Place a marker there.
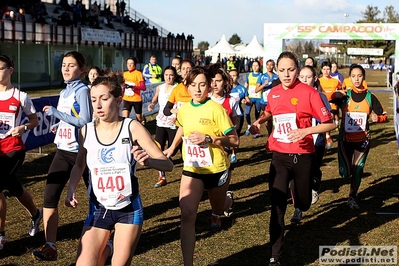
(210, 180)
(137, 106)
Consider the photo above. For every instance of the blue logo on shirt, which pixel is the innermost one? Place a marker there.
(106, 155)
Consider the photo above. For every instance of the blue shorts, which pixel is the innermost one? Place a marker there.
(102, 218)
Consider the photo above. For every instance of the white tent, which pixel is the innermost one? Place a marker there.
(252, 50)
(222, 48)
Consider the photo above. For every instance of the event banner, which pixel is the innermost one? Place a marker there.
(41, 135)
(96, 35)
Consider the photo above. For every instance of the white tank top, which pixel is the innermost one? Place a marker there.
(111, 167)
(162, 120)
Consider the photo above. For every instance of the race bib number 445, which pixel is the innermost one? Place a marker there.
(196, 155)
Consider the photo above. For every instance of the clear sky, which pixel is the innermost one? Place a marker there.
(208, 20)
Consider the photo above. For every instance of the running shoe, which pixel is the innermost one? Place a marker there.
(3, 241)
(34, 226)
(329, 143)
(247, 133)
(46, 252)
(256, 136)
(316, 184)
(229, 212)
(352, 203)
(315, 196)
(297, 217)
(216, 221)
(161, 182)
(233, 158)
(274, 262)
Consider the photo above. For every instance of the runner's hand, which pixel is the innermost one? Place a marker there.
(71, 200)
(140, 155)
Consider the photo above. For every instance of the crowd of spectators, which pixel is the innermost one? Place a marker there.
(77, 15)
(180, 36)
(33, 7)
(242, 64)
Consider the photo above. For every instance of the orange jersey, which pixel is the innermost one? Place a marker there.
(330, 86)
(135, 77)
(348, 84)
(355, 117)
(179, 95)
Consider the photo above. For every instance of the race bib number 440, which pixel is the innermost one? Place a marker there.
(111, 183)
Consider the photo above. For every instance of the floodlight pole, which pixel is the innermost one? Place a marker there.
(346, 15)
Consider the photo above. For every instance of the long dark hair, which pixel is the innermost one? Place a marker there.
(177, 77)
(218, 69)
(316, 83)
(195, 71)
(111, 81)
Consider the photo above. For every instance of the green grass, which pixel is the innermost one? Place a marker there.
(374, 78)
(244, 238)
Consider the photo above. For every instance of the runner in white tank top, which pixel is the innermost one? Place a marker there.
(115, 201)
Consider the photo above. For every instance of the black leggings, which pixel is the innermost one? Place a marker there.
(9, 164)
(318, 174)
(240, 124)
(283, 169)
(163, 134)
(58, 176)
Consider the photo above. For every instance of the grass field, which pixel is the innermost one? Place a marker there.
(244, 237)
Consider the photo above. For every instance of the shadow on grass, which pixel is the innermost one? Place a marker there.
(27, 244)
(168, 230)
(35, 167)
(334, 224)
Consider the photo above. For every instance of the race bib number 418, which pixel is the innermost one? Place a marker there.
(283, 124)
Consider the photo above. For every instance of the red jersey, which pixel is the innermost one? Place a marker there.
(292, 109)
(9, 110)
(226, 105)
